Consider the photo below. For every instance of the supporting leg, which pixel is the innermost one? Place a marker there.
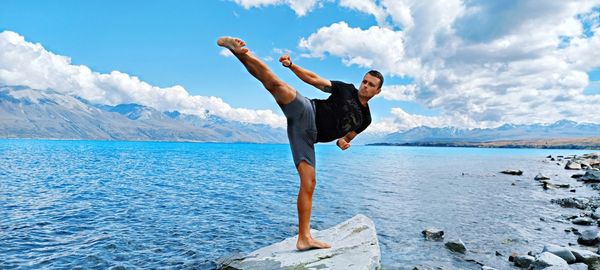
(307, 187)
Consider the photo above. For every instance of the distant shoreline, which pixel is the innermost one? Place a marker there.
(577, 143)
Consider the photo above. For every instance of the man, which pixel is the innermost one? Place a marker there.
(342, 116)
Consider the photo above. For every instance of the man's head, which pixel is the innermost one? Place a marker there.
(371, 84)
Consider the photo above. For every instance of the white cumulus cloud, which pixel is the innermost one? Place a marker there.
(406, 92)
(301, 7)
(30, 64)
(481, 63)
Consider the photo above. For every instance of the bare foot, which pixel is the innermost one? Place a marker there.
(234, 44)
(310, 243)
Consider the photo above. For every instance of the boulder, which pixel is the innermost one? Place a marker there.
(456, 246)
(591, 177)
(585, 256)
(583, 221)
(579, 266)
(562, 252)
(433, 234)
(589, 238)
(596, 213)
(549, 185)
(354, 246)
(580, 203)
(523, 261)
(512, 172)
(547, 259)
(571, 165)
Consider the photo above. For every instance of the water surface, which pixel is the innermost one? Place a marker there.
(103, 204)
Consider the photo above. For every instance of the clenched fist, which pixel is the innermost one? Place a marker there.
(285, 60)
(342, 144)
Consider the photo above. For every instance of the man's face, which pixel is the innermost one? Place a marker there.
(369, 86)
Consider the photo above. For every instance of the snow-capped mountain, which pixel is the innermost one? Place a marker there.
(31, 113)
(558, 130)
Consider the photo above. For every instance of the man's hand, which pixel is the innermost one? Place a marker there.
(342, 144)
(285, 60)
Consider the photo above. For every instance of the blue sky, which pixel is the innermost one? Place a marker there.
(168, 43)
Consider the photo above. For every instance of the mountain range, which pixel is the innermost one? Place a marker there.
(48, 114)
(508, 132)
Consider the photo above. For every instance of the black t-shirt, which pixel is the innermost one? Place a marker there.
(340, 113)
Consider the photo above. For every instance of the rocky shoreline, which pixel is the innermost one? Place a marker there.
(572, 143)
(357, 246)
(581, 253)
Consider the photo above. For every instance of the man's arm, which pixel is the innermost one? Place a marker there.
(306, 75)
(344, 142)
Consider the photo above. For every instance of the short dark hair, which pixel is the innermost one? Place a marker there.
(377, 74)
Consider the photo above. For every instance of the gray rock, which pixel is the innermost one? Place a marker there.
(591, 259)
(559, 251)
(579, 266)
(547, 185)
(547, 259)
(589, 238)
(584, 164)
(354, 246)
(577, 175)
(596, 213)
(591, 177)
(558, 267)
(571, 165)
(579, 203)
(541, 177)
(456, 246)
(433, 234)
(512, 172)
(585, 256)
(523, 261)
(583, 221)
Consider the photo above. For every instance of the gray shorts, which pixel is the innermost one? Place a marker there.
(301, 129)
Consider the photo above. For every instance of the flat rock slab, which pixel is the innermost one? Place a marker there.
(354, 245)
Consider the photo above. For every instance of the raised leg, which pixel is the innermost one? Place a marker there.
(281, 91)
(307, 187)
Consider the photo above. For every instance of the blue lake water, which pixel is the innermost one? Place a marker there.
(104, 204)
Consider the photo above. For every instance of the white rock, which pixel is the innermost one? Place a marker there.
(573, 166)
(586, 256)
(559, 251)
(354, 246)
(547, 259)
(579, 266)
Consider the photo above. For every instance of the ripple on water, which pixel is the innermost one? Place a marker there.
(125, 205)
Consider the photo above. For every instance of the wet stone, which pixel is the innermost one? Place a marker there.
(433, 234)
(583, 221)
(589, 238)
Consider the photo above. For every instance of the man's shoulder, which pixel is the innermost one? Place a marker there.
(342, 85)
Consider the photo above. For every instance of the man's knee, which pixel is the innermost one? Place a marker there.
(276, 86)
(308, 179)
